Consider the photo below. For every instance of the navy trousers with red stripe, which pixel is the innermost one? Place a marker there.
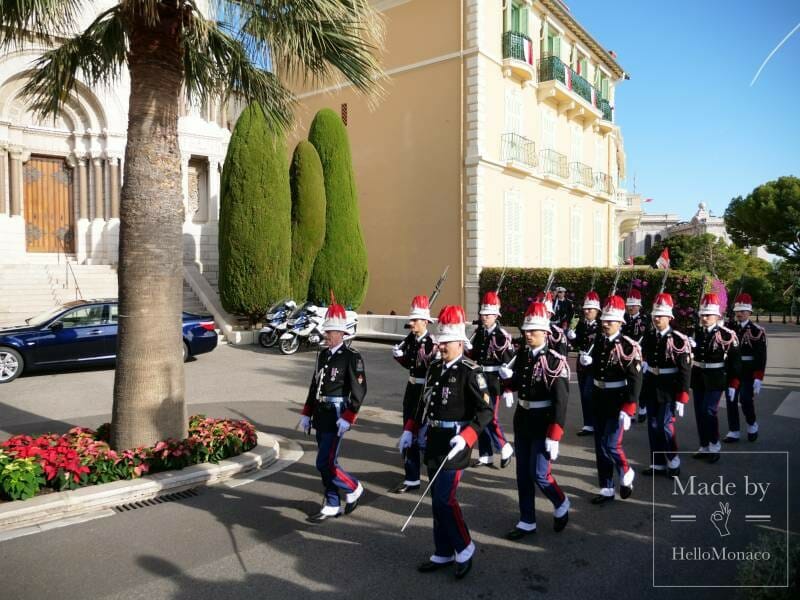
(744, 396)
(608, 449)
(706, 404)
(533, 467)
(661, 431)
(334, 478)
(492, 436)
(450, 532)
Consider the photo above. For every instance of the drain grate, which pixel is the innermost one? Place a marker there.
(157, 500)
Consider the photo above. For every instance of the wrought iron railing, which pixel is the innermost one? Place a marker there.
(514, 44)
(552, 68)
(517, 148)
(581, 174)
(554, 163)
(605, 107)
(603, 183)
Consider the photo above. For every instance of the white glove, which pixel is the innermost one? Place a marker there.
(305, 424)
(551, 446)
(679, 406)
(645, 367)
(397, 351)
(343, 425)
(405, 440)
(571, 334)
(506, 373)
(731, 393)
(624, 420)
(756, 386)
(509, 398)
(585, 359)
(458, 444)
(692, 343)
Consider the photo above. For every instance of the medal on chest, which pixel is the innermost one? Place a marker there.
(334, 373)
(445, 395)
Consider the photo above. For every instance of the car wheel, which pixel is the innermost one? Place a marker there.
(290, 346)
(186, 353)
(11, 364)
(268, 340)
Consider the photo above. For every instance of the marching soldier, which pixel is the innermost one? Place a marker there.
(667, 367)
(491, 348)
(753, 349)
(558, 338)
(563, 309)
(540, 376)
(456, 408)
(616, 362)
(334, 398)
(582, 340)
(637, 323)
(716, 367)
(415, 353)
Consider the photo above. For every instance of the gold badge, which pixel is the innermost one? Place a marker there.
(487, 399)
(481, 381)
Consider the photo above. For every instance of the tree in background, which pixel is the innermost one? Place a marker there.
(341, 264)
(255, 242)
(308, 215)
(768, 216)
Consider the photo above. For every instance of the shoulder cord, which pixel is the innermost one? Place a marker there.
(549, 375)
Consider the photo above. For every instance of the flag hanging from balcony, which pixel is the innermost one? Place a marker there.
(527, 48)
(594, 97)
(568, 78)
(663, 260)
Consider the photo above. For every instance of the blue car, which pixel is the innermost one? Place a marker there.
(82, 332)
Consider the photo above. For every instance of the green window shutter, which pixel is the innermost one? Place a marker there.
(557, 46)
(604, 87)
(523, 17)
(515, 18)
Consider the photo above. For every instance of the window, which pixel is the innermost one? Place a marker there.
(648, 243)
(513, 222)
(657, 238)
(113, 316)
(548, 128)
(85, 316)
(548, 233)
(598, 238)
(582, 66)
(553, 47)
(576, 148)
(575, 237)
(519, 18)
(599, 155)
(514, 121)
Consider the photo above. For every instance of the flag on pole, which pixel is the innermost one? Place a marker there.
(648, 200)
(663, 260)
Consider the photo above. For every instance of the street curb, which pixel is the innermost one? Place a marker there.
(73, 503)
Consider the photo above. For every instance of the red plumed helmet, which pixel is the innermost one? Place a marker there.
(614, 310)
(452, 327)
(546, 298)
(743, 302)
(490, 305)
(662, 307)
(710, 305)
(536, 318)
(420, 308)
(634, 298)
(451, 314)
(420, 302)
(335, 318)
(592, 300)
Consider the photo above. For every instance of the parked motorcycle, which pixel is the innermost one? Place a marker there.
(304, 326)
(276, 318)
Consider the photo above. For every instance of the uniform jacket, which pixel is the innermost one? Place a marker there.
(491, 349)
(585, 333)
(544, 376)
(417, 357)
(720, 345)
(558, 340)
(564, 311)
(635, 327)
(619, 359)
(338, 374)
(753, 348)
(458, 393)
(669, 351)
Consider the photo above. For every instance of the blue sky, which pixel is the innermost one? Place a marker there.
(694, 129)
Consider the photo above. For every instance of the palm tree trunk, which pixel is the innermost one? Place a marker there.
(149, 381)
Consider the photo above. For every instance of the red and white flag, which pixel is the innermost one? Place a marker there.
(648, 199)
(527, 46)
(594, 97)
(568, 78)
(630, 260)
(663, 260)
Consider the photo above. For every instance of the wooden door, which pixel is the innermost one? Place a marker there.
(49, 220)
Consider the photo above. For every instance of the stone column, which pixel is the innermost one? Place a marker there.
(15, 183)
(3, 180)
(185, 185)
(82, 228)
(83, 189)
(99, 198)
(113, 164)
(214, 169)
(112, 225)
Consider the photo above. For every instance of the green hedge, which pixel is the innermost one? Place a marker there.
(308, 215)
(341, 264)
(255, 218)
(521, 286)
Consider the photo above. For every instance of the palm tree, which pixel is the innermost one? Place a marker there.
(175, 51)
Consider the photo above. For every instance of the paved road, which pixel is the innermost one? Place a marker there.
(253, 541)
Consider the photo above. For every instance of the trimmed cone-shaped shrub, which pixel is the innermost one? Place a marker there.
(341, 264)
(255, 218)
(308, 216)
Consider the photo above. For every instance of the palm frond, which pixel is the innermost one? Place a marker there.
(98, 54)
(25, 20)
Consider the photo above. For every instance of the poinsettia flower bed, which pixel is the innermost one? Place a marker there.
(82, 456)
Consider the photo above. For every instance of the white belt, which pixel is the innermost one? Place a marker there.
(491, 369)
(705, 365)
(416, 380)
(607, 385)
(748, 358)
(663, 370)
(332, 399)
(535, 403)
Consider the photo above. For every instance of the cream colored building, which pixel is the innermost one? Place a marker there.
(495, 144)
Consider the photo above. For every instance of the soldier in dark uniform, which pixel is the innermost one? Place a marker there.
(582, 340)
(717, 367)
(558, 337)
(415, 353)
(563, 309)
(491, 348)
(540, 376)
(616, 362)
(637, 323)
(753, 348)
(667, 367)
(334, 398)
(457, 406)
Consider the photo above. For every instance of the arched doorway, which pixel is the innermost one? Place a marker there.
(49, 211)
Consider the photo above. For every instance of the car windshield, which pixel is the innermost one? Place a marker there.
(45, 317)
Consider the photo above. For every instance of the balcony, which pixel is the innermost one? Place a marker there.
(518, 152)
(603, 183)
(553, 164)
(581, 174)
(518, 56)
(571, 92)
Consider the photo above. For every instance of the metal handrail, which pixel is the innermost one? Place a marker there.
(68, 270)
(554, 163)
(581, 174)
(515, 147)
(552, 68)
(514, 46)
(604, 183)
